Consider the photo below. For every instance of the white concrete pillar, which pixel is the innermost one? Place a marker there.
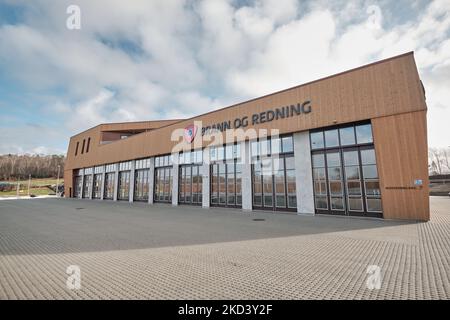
(116, 182)
(80, 196)
(246, 176)
(102, 187)
(303, 173)
(132, 178)
(151, 180)
(175, 174)
(204, 171)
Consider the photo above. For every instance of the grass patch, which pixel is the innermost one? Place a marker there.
(37, 187)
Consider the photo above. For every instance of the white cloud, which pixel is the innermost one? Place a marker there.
(148, 60)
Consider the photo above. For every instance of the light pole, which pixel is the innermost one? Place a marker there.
(57, 181)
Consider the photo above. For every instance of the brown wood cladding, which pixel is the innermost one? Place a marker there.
(385, 88)
(401, 151)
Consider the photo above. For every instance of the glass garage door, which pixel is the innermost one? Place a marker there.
(274, 184)
(141, 185)
(190, 185)
(226, 184)
(124, 186)
(77, 186)
(163, 185)
(345, 171)
(87, 185)
(109, 186)
(97, 186)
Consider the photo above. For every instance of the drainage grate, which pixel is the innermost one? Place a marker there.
(79, 208)
(259, 219)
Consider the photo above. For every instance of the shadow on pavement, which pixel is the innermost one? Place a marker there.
(52, 226)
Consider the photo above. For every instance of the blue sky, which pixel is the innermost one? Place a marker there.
(143, 60)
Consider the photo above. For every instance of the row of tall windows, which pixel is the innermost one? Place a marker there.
(345, 172)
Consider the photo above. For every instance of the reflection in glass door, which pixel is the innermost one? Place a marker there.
(109, 186)
(77, 186)
(124, 186)
(335, 181)
(346, 182)
(87, 185)
(97, 186)
(274, 183)
(345, 171)
(190, 186)
(141, 185)
(226, 184)
(353, 181)
(163, 185)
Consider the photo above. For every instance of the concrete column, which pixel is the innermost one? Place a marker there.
(204, 170)
(175, 174)
(132, 172)
(80, 196)
(102, 187)
(116, 182)
(151, 180)
(246, 177)
(303, 173)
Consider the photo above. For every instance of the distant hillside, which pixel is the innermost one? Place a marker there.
(14, 167)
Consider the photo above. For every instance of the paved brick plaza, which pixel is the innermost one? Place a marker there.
(160, 252)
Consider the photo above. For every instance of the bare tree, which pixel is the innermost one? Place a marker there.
(438, 160)
(14, 167)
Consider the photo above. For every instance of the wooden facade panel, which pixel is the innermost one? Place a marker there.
(401, 151)
(385, 88)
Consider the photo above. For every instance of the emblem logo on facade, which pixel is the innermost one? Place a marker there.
(190, 132)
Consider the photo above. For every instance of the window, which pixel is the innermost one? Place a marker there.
(141, 185)
(274, 183)
(190, 184)
(317, 141)
(124, 185)
(346, 177)
(331, 138)
(318, 160)
(164, 161)
(163, 184)
(288, 144)
(272, 145)
(347, 136)
(76, 148)
(368, 156)
(109, 186)
(364, 133)
(276, 145)
(97, 186)
(82, 148)
(125, 166)
(88, 144)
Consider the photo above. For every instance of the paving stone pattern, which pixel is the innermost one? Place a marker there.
(141, 251)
